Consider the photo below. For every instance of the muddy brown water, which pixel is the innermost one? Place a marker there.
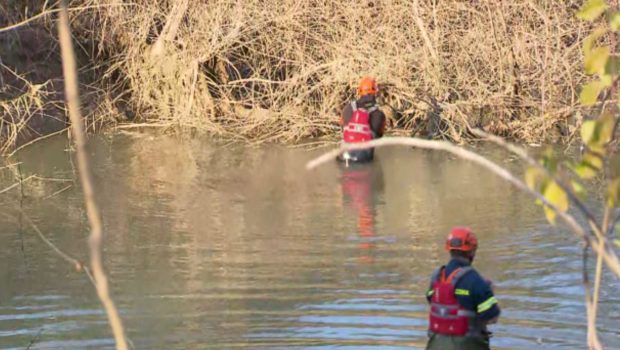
(212, 246)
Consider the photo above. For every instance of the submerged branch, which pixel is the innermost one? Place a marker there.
(71, 260)
(15, 184)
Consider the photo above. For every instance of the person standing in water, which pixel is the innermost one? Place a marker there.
(362, 121)
(462, 301)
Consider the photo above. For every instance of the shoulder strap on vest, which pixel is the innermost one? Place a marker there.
(459, 273)
(373, 108)
(436, 275)
(354, 106)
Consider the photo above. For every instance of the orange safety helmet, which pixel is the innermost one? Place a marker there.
(367, 86)
(463, 239)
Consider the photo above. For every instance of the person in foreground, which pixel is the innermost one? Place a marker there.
(462, 301)
(362, 121)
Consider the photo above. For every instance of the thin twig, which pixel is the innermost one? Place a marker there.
(593, 341)
(96, 236)
(531, 161)
(141, 125)
(49, 12)
(36, 140)
(34, 340)
(78, 265)
(21, 180)
(593, 299)
(10, 166)
(21, 224)
(73, 261)
(58, 192)
(51, 179)
(612, 227)
(592, 334)
(16, 184)
(424, 34)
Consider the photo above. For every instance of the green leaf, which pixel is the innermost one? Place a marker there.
(614, 21)
(606, 125)
(593, 160)
(597, 149)
(590, 92)
(613, 191)
(543, 187)
(585, 170)
(592, 9)
(606, 80)
(550, 214)
(532, 176)
(596, 60)
(617, 242)
(578, 188)
(588, 131)
(556, 195)
(589, 166)
(589, 41)
(548, 160)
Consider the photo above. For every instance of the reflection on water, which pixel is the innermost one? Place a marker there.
(362, 189)
(231, 247)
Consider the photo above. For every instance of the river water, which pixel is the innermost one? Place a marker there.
(212, 246)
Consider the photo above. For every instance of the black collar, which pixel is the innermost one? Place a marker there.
(460, 261)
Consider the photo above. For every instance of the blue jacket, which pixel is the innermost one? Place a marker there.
(472, 291)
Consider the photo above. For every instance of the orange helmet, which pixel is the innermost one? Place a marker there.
(463, 239)
(367, 86)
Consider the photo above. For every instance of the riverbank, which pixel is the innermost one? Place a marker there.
(281, 73)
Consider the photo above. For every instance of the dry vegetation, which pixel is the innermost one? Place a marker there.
(281, 70)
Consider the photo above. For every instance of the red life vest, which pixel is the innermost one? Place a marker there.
(358, 128)
(447, 316)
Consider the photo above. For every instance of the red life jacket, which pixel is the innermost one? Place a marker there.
(447, 316)
(358, 128)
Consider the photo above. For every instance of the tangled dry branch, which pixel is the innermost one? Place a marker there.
(280, 71)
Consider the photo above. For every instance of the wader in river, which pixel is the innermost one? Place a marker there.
(462, 302)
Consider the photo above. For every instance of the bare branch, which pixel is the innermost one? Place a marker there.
(96, 236)
(71, 260)
(424, 33)
(531, 161)
(171, 27)
(609, 255)
(36, 140)
(49, 12)
(58, 192)
(16, 184)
